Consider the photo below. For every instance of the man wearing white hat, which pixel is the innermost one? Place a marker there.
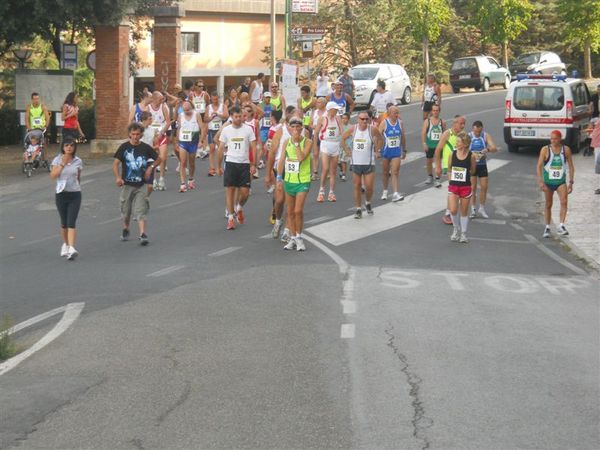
(329, 130)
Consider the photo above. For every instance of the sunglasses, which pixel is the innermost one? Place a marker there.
(363, 118)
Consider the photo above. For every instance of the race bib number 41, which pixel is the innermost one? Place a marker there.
(458, 174)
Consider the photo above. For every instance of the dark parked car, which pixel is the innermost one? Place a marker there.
(546, 63)
(479, 72)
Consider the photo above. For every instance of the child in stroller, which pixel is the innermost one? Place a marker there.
(34, 155)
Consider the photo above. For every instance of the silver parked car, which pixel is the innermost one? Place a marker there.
(545, 63)
(365, 81)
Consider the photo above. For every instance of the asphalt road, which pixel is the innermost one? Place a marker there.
(383, 334)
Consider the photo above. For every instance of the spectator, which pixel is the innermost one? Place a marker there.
(70, 118)
(323, 83)
(245, 86)
(347, 82)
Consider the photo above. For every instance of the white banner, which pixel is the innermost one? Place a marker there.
(305, 6)
(289, 86)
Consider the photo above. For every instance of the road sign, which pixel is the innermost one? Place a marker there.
(307, 49)
(305, 6)
(307, 37)
(294, 31)
(91, 60)
(69, 56)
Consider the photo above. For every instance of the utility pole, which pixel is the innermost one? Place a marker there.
(273, 25)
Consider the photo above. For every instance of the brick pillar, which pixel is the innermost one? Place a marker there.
(112, 86)
(167, 48)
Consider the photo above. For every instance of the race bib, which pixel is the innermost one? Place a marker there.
(341, 110)
(269, 144)
(292, 166)
(214, 125)
(60, 186)
(237, 145)
(156, 127)
(458, 174)
(555, 173)
(393, 142)
(436, 135)
(360, 145)
(266, 122)
(331, 132)
(37, 122)
(185, 136)
(200, 107)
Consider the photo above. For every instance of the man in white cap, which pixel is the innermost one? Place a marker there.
(329, 130)
(343, 101)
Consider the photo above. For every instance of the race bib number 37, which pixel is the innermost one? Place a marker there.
(458, 174)
(393, 142)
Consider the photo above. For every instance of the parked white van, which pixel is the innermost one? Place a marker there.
(537, 104)
(365, 77)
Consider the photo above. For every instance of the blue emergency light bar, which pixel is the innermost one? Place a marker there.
(531, 76)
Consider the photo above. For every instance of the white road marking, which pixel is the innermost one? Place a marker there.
(554, 256)
(391, 215)
(501, 211)
(349, 307)
(342, 264)
(116, 219)
(318, 220)
(347, 331)
(516, 226)
(505, 241)
(71, 313)
(88, 181)
(165, 271)
(37, 241)
(225, 251)
(168, 205)
(491, 221)
(266, 236)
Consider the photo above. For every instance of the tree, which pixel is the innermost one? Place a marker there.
(502, 21)
(426, 18)
(582, 27)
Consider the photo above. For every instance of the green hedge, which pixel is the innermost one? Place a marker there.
(10, 131)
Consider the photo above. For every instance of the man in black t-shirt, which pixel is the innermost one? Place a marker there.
(138, 161)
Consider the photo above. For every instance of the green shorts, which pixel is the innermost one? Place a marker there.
(295, 188)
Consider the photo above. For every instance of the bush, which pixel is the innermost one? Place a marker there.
(10, 130)
(87, 121)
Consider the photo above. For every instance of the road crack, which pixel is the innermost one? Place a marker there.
(420, 422)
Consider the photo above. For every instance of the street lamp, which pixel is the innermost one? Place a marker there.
(22, 54)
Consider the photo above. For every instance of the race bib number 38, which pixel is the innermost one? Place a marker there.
(458, 174)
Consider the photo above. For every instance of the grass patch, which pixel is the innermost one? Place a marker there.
(8, 348)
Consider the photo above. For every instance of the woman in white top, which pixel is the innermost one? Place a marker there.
(432, 95)
(66, 170)
(381, 100)
(318, 112)
(323, 83)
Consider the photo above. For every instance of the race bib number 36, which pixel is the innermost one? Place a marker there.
(459, 174)
(292, 166)
(331, 132)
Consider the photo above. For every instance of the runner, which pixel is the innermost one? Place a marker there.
(189, 126)
(345, 158)
(233, 99)
(481, 144)
(318, 112)
(256, 88)
(323, 83)
(394, 151)
(461, 165)
(133, 156)
(216, 113)
(250, 119)
(380, 101)
(306, 105)
(200, 99)
(552, 177)
(37, 115)
(294, 168)
(342, 100)
(277, 99)
(329, 129)
(240, 141)
(265, 124)
(366, 144)
(431, 133)
(432, 95)
(443, 151)
(160, 122)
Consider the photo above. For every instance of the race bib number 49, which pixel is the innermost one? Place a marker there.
(292, 166)
(556, 173)
(459, 174)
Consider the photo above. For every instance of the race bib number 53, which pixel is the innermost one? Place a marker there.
(292, 166)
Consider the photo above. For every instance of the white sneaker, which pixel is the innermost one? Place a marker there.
(276, 230)
(562, 230)
(473, 213)
(546, 232)
(455, 235)
(271, 189)
(483, 213)
(300, 244)
(64, 250)
(155, 184)
(396, 197)
(463, 238)
(178, 167)
(384, 195)
(72, 253)
(429, 179)
(437, 183)
(161, 184)
(291, 245)
(285, 237)
(261, 164)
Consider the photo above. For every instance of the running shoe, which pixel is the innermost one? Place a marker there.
(72, 254)
(473, 213)
(182, 187)
(447, 219)
(321, 197)
(285, 237)
(276, 230)
(178, 167)
(300, 244)
(546, 233)
(155, 184)
(463, 238)
(358, 213)
(212, 173)
(261, 164)
(343, 177)
(161, 184)
(384, 195)
(363, 189)
(240, 216)
(64, 250)
(437, 183)
(429, 179)
(255, 175)
(230, 223)
(271, 189)
(396, 197)
(144, 239)
(331, 197)
(191, 184)
(204, 154)
(483, 213)
(125, 234)
(455, 235)
(291, 245)
(314, 176)
(562, 230)
(369, 208)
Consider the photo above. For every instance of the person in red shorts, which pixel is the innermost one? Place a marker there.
(461, 166)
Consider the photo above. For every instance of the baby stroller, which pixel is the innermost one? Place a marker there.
(32, 160)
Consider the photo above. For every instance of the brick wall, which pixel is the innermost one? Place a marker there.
(112, 97)
(167, 50)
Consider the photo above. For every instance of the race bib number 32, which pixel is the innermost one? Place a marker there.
(393, 142)
(459, 174)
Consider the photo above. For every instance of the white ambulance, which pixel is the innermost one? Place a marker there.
(537, 104)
